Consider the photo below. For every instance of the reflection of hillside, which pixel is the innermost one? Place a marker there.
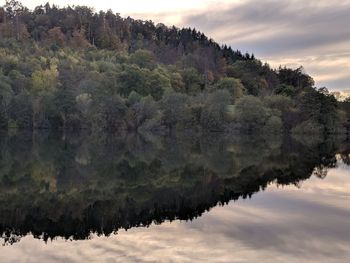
(74, 185)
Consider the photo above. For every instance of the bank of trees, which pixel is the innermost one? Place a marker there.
(70, 68)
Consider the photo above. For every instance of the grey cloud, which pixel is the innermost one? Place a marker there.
(281, 26)
(290, 233)
(339, 84)
(283, 30)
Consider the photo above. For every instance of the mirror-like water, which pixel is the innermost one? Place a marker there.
(183, 198)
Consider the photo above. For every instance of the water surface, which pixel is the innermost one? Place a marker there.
(181, 198)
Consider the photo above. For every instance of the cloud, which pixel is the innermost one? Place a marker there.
(329, 70)
(276, 27)
(277, 31)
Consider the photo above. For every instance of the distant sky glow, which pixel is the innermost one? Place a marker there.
(314, 33)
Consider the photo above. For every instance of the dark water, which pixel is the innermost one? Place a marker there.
(181, 198)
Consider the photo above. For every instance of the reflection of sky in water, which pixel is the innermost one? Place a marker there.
(283, 224)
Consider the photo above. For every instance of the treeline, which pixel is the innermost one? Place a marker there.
(71, 68)
(82, 27)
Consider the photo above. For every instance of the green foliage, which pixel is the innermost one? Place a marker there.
(234, 86)
(192, 81)
(20, 110)
(143, 113)
(279, 105)
(296, 78)
(72, 68)
(132, 78)
(109, 113)
(319, 107)
(253, 75)
(286, 90)
(213, 115)
(251, 114)
(6, 92)
(175, 108)
(6, 95)
(65, 105)
(44, 80)
(83, 103)
(279, 102)
(273, 125)
(157, 82)
(308, 127)
(176, 82)
(143, 58)
(133, 98)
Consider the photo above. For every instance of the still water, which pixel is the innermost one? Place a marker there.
(181, 198)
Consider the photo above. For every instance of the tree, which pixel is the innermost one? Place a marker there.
(19, 81)
(6, 95)
(143, 58)
(273, 125)
(142, 113)
(84, 69)
(192, 80)
(175, 109)
(14, 9)
(250, 114)
(132, 78)
(44, 80)
(20, 110)
(296, 78)
(286, 90)
(253, 76)
(308, 127)
(214, 110)
(329, 116)
(56, 37)
(44, 84)
(109, 113)
(65, 106)
(176, 81)
(78, 40)
(2, 15)
(234, 86)
(156, 84)
(133, 98)
(83, 103)
(279, 102)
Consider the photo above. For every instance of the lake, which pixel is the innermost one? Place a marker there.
(179, 198)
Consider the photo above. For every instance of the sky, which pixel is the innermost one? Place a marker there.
(313, 33)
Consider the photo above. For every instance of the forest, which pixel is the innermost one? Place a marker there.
(72, 68)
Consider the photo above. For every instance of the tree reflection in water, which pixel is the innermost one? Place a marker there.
(54, 185)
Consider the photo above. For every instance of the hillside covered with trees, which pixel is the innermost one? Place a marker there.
(72, 68)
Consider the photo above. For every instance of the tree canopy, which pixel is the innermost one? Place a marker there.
(72, 68)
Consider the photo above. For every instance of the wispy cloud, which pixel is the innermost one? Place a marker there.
(313, 33)
(275, 27)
